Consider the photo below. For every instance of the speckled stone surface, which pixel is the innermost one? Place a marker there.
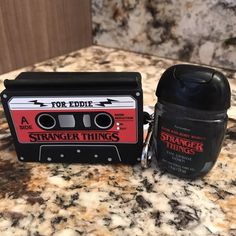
(65, 200)
(202, 31)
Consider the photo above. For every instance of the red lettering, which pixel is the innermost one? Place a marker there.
(180, 144)
(164, 136)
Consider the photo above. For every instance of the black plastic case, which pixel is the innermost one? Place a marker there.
(30, 89)
(190, 119)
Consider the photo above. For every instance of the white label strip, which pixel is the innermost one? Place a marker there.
(83, 102)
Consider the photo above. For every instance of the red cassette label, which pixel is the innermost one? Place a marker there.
(96, 119)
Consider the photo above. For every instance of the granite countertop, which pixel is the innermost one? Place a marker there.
(61, 199)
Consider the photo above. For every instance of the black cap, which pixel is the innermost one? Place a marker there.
(194, 87)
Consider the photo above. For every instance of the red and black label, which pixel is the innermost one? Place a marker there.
(181, 142)
(187, 147)
(92, 119)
